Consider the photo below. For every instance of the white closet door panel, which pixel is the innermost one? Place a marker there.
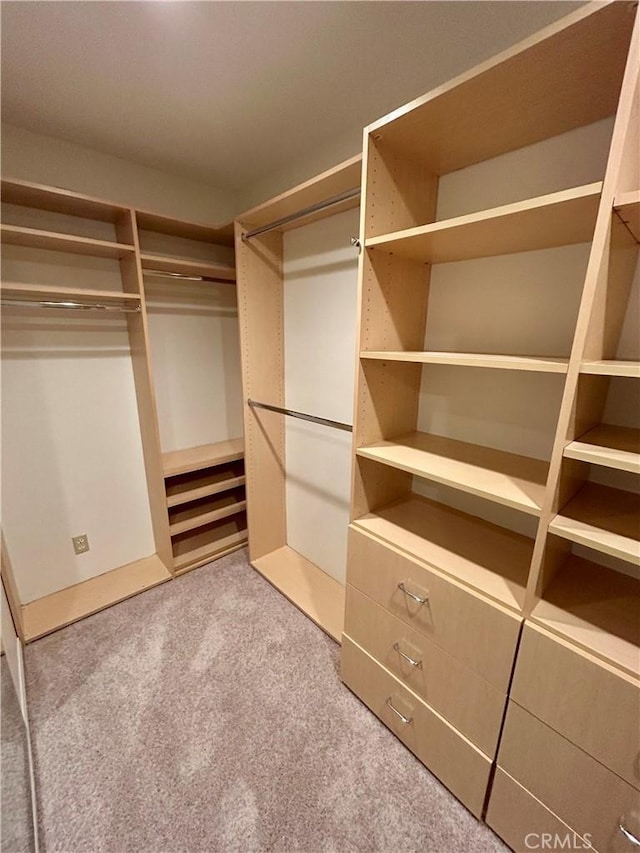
(72, 453)
(195, 353)
(320, 285)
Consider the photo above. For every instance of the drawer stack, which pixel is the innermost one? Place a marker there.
(569, 760)
(431, 658)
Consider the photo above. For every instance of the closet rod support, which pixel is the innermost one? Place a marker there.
(313, 418)
(82, 306)
(306, 211)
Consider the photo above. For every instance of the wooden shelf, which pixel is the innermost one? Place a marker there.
(203, 456)
(209, 543)
(610, 446)
(201, 517)
(221, 235)
(186, 266)
(464, 359)
(197, 492)
(627, 205)
(488, 558)
(37, 292)
(557, 219)
(59, 200)
(82, 599)
(318, 595)
(345, 176)
(595, 608)
(602, 518)
(612, 368)
(506, 478)
(14, 235)
(565, 76)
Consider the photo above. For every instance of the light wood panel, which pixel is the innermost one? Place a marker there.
(319, 596)
(488, 558)
(487, 644)
(10, 588)
(202, 485)
(579, 697)
(610, 367)
(204, 456)
(76, 602)
(627, 206)
(187, 266)
(604, 519)
(446, 685)
(459, 765)
(595, 608)
(34, 238)
(205, 511)
(608, 445)
(261, 315)
(521, 820)
(557, 219)
(221, 235)
(345, 176)
(565, 76)
(465, 359)
(581, 791)
(37, 292)
(208, 542)
(505, 478)
(59, 200)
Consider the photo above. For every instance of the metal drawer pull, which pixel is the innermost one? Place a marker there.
(420, 599)
(405, 720)
(409, 660)
(628, 835)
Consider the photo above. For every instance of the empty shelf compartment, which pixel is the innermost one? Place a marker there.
(611, 446)
(183, 488)
(201, 512)
(196, 547)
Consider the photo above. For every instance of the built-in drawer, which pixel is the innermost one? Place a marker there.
(461, 696)
(480, 634)
(587, 701)
(596, 803)
(524, 822)
(459, 765)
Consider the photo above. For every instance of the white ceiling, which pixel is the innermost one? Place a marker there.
(230, 92)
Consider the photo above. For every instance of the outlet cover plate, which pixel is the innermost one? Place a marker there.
(80, 543)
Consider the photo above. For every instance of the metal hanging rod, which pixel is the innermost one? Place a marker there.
(306, 211)
(184, 277)
(313, 418)
(76, 306)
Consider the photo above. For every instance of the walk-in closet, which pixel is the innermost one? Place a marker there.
(320, 427)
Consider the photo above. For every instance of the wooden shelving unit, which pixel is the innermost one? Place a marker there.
(196, 496)
(187, 267)
(34, 238)
(611, 446)
(558, 219)
(466, 359)
(412, 408)
(488, 558)
(595, 608)
(259, 263)
(206, 501)
(602, 518)
(505, 478)
(612, 367)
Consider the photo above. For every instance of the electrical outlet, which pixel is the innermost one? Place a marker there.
(80, 543)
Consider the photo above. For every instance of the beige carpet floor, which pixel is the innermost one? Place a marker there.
(207, 716)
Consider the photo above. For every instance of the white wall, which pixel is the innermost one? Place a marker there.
(46, 160)
(320, 289)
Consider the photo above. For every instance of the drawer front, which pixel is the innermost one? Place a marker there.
(479, 634)
(455, 761)
(467, 701)
(582, 699)
(583, 793)
(524, 822)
